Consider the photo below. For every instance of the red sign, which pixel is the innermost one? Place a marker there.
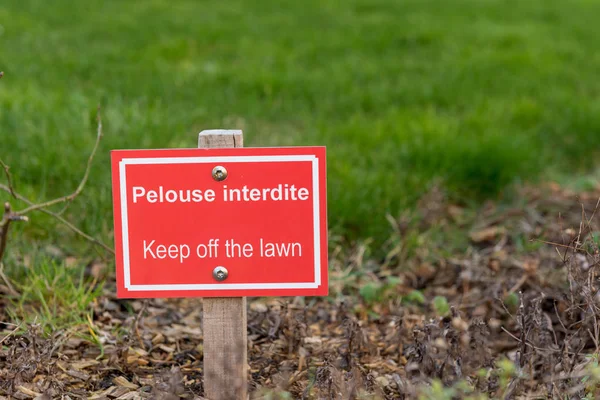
(220, 222)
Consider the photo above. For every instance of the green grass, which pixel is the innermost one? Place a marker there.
(53, 295)
(477, 93)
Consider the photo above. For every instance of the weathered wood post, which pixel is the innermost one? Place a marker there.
(224, 320)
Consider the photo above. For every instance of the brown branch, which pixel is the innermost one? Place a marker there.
(63, 221)
(589, 221)
(566, 246)
(42, 207)
(9, 286)
(77, 192)
(18, 326)
(7, 218)
(136, 323)
(8, 178)
(78, 231)
(523, 331)
(4, 225)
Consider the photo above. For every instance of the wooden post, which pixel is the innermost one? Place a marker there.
(224, 320)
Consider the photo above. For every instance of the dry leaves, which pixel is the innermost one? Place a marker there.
(344, 346)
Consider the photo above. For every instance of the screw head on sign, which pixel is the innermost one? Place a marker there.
(220, 274)
(219, 173)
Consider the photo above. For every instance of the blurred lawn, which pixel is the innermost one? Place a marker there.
(478, 93)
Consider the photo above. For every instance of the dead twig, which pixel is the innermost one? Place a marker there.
(8, 217)
(6, 281)
(10, 334)
(70, 197)
(8, 178)
(566, 246)
(43, 207)
(64, 222)
(136, 323)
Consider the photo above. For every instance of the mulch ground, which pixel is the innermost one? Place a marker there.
(511, 298)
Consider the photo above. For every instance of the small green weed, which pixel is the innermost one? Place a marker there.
(377, 292)
(415, 297)
(441, 306)
(511, 301)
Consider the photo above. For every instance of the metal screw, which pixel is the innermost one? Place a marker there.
(220, 273)
(219, 173)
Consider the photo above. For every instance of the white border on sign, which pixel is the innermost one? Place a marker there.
(221, 286)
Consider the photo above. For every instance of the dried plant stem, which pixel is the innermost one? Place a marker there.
(64, 222)
(8, 178)
(68, 198)
(4, 225)
(10, 333)
(20, 215)
(8, 217)
(6, 281)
